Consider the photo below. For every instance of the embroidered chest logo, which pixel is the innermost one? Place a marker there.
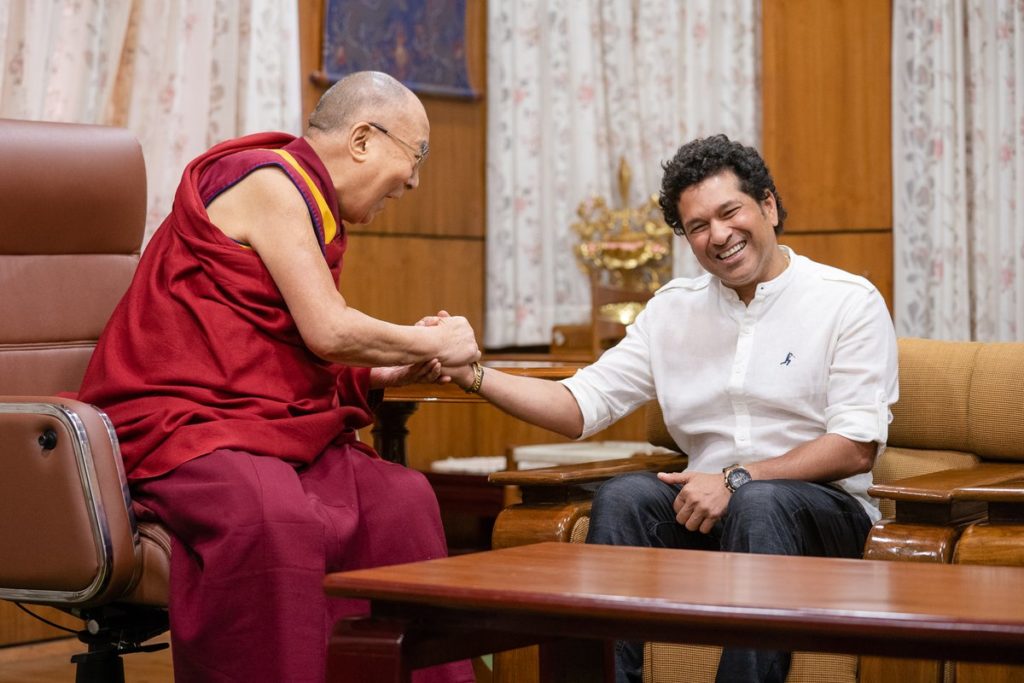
(788, 360)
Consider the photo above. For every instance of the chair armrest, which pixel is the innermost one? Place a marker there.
(938, 487)
(950, 496)
(587, 473)
(67, 534)
(933, 510)
(557, 499)
(1011, 491)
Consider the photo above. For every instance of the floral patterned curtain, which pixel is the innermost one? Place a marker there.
(958, 168)
(181, 74)
(573, 87)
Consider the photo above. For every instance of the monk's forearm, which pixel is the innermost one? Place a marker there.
(354, 338)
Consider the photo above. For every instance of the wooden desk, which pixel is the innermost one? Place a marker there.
(400, 403)
(569, 598)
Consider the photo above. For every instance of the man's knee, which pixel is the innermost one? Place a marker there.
(760, 519)
(628, 509)
(759, 497)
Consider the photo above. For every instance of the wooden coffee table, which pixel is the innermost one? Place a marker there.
(571, 598)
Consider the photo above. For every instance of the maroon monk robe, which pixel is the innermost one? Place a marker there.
(242, 442)
(202, 353)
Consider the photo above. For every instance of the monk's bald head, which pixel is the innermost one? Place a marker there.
(364, 95)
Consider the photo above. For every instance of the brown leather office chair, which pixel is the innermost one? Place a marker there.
(72, 216)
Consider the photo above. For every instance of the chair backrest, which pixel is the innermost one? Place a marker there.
(72, 217)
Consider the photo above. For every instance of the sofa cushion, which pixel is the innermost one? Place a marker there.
(935, 389)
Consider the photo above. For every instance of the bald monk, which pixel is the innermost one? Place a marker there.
(236, 377)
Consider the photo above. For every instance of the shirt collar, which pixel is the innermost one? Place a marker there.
(765, 289)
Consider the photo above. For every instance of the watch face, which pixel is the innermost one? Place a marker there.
(737, 477)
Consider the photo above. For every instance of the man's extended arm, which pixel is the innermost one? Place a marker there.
(267, 213)
(540, 402)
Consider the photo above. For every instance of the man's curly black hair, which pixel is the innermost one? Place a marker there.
(704, 157)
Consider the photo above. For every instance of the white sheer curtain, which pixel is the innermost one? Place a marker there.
(181, 74)
(958, 168)
(572, 87)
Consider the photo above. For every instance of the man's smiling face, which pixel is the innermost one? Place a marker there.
(731, 234)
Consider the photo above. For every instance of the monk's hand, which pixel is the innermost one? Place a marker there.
(458, 341)
(701, 502)
(425, 372)
(432, 320)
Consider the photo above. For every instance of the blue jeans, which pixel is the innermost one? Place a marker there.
(775, 517)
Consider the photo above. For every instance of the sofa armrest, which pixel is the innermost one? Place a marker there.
(556, 500)
(933, 510)
(587, 473)
(933, 498)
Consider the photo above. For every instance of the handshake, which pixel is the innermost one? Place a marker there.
(453, 350)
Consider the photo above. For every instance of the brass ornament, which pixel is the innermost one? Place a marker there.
(627, 248)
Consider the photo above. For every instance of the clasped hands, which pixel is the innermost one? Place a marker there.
(458, 350)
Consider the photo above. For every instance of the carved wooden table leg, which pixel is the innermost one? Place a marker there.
(389, 430)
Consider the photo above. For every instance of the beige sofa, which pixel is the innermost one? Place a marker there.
(955, 443)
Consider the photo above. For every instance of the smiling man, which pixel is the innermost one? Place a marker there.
(774, 373)
(236, 376)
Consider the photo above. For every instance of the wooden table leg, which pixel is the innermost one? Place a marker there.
(389, 430)
(367, 650)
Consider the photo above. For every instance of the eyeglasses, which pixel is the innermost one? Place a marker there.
(420, 154)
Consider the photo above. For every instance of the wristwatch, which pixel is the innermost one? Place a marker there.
(735, 477)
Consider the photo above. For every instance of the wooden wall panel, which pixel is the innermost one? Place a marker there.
(403, 278)
(311, 32)
(868, 254)
(827, 111)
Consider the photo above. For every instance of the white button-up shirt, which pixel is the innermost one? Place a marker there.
(814, 352)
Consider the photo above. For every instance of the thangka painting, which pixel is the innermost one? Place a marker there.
(420, 42)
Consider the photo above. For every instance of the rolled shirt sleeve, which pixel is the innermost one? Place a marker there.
(617, 383)
(863, 377)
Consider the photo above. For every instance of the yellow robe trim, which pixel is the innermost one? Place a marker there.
(330, 225)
